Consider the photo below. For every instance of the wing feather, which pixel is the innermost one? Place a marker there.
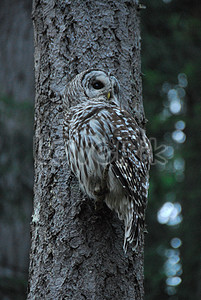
(131, 157)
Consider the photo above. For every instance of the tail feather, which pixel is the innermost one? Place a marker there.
(133, 232)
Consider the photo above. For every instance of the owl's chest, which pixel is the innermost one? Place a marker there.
(88, 146)
(95, 125)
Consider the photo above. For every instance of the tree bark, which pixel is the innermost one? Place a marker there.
(77, 253)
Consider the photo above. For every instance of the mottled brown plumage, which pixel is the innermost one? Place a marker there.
(107, 151)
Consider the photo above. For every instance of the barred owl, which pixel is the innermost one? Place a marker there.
(107, 150)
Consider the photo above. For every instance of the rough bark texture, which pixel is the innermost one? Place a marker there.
(76, 252)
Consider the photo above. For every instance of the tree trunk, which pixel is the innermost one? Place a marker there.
(76, 252)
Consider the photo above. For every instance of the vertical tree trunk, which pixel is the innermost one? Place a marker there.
(76, 252)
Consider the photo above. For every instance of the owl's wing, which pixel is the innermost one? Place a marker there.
(131, 152)
(131, 157)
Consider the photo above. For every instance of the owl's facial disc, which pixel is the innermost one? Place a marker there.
(97, 83)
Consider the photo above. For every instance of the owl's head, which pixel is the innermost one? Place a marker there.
(97, 83)
(93, 84)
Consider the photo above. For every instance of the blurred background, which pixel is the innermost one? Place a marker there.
(171, 71)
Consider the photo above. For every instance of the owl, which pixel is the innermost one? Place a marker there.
(107, 150)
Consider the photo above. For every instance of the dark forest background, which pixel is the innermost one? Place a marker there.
(171, 72)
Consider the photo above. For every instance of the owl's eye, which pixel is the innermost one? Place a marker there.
(97, 85)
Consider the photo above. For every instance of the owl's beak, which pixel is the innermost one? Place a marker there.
(108, 95)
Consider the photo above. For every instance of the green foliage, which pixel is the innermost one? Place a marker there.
(171, 43)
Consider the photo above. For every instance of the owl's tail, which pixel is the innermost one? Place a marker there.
(134, 228)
